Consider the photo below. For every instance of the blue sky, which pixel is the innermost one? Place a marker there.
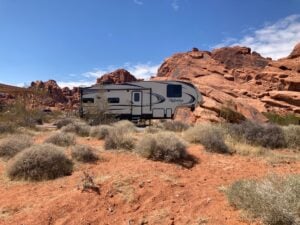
(75, 41)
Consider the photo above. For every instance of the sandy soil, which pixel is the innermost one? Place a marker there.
(134, 191)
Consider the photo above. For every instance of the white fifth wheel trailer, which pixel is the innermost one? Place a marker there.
(141, 99)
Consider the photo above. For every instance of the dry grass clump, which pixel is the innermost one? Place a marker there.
(210, 136)
(292, 136)
(266, 135)
(174, 125)
(100, 132)
(274, 199)
(84, 153)
(79, 128)
(125, 125)
(40, 162)
(63, 122)
(12, 145)
(117, 138)
(152, 129)
(7, 128)
(164, 146)
(61, 139)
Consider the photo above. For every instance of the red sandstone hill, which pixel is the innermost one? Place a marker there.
(231, 77)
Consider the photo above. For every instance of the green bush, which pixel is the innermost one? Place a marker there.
(164, 146)
(39, 162)
(266, 135)
(292, 136)
(286, 119)
(83, 153)
(61, 139)
(174, 125)
(230, 115)
(100, 132)
(275, 199)
(79, 128)
(12, 145)
(210, 136)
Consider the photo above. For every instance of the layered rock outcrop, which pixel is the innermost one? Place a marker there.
(239, 79)
(116, 77)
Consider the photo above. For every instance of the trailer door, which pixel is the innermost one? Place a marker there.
(136, 106)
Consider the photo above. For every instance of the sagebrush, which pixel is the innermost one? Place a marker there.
(101, 131)
(39, 162)
(209, 135)
(274, 200)
(13, 144)
(84, 153)
(79, 128)
(61, 139)
(292, 136)
(164, 146)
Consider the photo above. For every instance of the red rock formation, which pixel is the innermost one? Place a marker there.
(296, 52)
(116, 77)
(238, 79)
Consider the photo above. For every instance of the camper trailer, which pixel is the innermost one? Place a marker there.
(139, 100)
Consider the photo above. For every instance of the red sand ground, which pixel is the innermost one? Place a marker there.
(135, 191)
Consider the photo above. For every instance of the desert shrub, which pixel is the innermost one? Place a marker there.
(164, 146)
(12, 145)
(78, 128)
(63, 122)
(118, 138)
(266, 135)
(174, 125)
(61, 139)
(152, 129)
(83, 153)
(286, 119)
(210, 136)
(292, 136)
(40, 162)
(100, 132)
(230, 115)
(274, 199)
(125, 125)
(7, 128)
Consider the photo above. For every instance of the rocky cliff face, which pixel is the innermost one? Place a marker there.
(236, 78)
(116, 77)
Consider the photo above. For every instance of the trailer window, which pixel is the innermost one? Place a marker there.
(174, 91)
(88, 100)
(136, 97)
(113, 100)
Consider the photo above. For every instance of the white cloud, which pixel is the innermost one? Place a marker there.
(138, 2)
(142, 71)
(273, 40)
(175, 5)
(72, 84)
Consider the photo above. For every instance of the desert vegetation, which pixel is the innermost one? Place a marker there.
(274, 200)
(79, 128)
(164, 146)
(84, 153)
(100, 131)
(209, 135)
(61, 139)
(39, 162)
(14, 144)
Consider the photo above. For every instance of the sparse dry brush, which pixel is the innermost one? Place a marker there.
(173, 125)
(125, 125)
(274, 199)
(7, 128)
(292, 136)
(39, 162)
(119, 139)
(84, 153)
(164, 146)
(79, 128)
(61, 139)
(12, 145)
(209, 135)
(266, 135)
(63, 122)
(100, 132)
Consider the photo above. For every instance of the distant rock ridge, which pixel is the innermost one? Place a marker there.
(230, 77)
